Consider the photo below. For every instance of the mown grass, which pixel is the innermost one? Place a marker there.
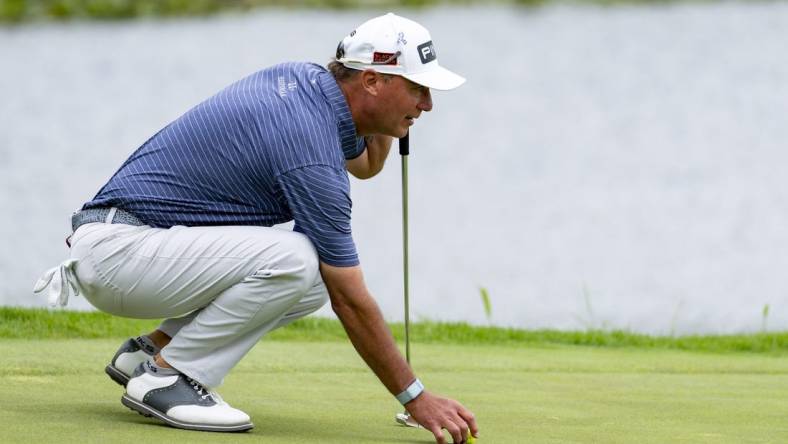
(27, 323)
(14, 11)
(305, 383)
(54, 391)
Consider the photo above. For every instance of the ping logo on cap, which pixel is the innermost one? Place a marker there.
(426, 52)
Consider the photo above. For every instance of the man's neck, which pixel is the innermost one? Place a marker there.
(351, 93)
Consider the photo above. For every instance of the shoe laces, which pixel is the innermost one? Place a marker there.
(202, 391)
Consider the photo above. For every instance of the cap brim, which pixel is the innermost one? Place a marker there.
(438, 78)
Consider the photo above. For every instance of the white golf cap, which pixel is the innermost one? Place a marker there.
(392, 44)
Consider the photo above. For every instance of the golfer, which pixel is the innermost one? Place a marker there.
(183, 230)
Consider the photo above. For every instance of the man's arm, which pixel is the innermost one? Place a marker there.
(364, 324)
(370, 162)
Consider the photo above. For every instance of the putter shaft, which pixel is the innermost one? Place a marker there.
(404, 150)
(405, 254)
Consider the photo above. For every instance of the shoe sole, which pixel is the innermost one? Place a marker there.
(147, 411)
(116, 375)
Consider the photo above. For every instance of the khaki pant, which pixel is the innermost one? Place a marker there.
(219, 288)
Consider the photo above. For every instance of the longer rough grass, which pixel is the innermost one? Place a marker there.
(54, 390)
(58, 324)
(14, 11)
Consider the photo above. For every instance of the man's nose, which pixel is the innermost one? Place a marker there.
(425, 104)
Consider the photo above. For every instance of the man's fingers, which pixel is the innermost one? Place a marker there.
(454, 431)
(438, 432)
(463, 428)
(436, 414)
(470, 420)
(459, 433)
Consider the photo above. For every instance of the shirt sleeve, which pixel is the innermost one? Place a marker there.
(319, 199)
(361, 145)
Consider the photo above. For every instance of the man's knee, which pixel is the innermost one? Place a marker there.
(298, 259)
(306, 254)
(316, 298)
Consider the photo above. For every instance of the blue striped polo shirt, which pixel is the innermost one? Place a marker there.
(267, 149)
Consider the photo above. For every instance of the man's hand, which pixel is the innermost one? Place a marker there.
(363, 322)
(435, 414)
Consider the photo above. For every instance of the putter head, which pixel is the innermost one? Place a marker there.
(406, 420)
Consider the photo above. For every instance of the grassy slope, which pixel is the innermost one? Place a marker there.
(12, 11)
(26, 323)
(306, 383)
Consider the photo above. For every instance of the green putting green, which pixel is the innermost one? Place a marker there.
(54, 390)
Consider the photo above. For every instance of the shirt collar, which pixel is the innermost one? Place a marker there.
(347, 129)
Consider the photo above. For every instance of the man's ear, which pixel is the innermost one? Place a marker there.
(371, 81)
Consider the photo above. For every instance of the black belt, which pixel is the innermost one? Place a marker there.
(91, 215)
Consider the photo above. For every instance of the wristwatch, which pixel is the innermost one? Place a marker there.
(411, 393)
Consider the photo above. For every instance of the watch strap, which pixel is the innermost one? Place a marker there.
(411, 392)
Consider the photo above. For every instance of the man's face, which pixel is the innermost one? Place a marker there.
(403, 102)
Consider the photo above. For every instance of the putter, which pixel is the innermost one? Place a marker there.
(404, 149)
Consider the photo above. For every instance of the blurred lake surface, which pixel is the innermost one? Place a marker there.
(604, 167)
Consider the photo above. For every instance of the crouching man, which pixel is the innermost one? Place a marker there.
(183, 230)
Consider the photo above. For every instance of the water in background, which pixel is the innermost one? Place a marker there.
(603, 167)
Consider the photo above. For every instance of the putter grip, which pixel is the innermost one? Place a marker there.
(404, 146)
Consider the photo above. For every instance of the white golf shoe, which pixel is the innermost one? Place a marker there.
(128, 357)
(182, 402)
